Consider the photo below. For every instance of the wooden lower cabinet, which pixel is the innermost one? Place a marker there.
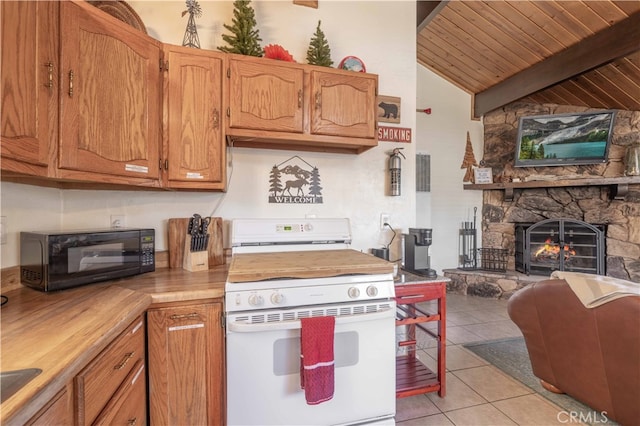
(128, 405)
(186, 364)
(113, 376)
(59, 411)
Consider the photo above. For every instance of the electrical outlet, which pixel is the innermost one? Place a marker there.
(3, 230)
(384, 218)
(117, 221)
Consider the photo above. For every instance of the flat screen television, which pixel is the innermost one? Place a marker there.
(564, 139)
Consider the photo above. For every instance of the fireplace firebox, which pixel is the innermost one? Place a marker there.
(559, 244)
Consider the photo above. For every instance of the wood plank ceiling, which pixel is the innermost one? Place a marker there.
(584, 53)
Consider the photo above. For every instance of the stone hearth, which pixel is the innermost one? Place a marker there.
(592, 204)
(499, 285)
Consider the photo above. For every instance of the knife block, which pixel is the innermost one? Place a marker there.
(178, 234)
(194, 260)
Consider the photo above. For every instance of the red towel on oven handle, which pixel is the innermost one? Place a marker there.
(317, 360)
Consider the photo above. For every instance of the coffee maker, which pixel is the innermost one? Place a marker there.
(415, 252)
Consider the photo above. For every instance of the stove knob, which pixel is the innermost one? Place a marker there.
(308, 227)
(255, 300)
(354, 292)
(277, 298)
(372, 291)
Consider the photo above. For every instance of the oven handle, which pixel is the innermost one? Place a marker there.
(295, 324)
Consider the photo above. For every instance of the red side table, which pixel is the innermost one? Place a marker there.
(413, 377)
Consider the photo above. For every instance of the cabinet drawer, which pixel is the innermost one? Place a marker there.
(129, 406)
(98, 382)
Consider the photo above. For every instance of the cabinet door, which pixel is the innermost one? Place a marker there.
(193, 119)
(265, 96)
(29, 70)
(110, 96)
(185, 350)
(343, 105)
(59, 411)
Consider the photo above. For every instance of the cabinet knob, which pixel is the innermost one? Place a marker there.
(71, 83)
(184, 316)
(300, 98)
(216, 118)
(49, 66)
(132, 422)
(124, 361)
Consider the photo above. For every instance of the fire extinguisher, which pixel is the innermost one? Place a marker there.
(395, 169)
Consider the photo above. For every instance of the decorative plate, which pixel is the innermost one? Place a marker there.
(122, 11)
(352, 63)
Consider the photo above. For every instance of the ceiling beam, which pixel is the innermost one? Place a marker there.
(427, 10)
(618, 40)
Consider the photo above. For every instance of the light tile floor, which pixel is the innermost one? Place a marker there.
(477, 392)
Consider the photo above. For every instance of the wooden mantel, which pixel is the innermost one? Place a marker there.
(619, 185)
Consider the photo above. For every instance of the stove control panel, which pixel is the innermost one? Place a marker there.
(269, 298)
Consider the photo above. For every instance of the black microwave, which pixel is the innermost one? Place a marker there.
(58, 260)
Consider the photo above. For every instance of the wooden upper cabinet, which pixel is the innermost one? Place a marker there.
(194, 154)
(110, 97)
(282, 105)
(265, 95)
(29, 70)
(343, 105)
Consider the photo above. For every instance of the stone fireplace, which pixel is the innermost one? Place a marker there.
(543, 193)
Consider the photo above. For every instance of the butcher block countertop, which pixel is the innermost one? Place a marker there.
(60, 332)
(304, 264)
(179, 285)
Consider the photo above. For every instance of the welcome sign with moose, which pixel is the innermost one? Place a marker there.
(295, 181)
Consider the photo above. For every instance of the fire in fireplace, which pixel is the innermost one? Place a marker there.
(560, 244)
(551, 251)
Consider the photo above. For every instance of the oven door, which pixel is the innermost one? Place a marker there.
(263, 366)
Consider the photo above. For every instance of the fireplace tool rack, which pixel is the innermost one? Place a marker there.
(472, 258)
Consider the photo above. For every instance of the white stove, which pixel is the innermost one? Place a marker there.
(283, 270)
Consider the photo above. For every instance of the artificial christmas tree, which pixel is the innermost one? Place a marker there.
(469, 161)
(245, 36)
(319, 52)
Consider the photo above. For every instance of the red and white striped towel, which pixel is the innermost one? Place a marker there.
(317, 359)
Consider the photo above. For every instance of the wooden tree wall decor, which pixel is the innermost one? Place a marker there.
(191, 38)
(308, 3)
(469, 161)
(292, 191)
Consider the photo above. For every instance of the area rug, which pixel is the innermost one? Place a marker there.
(511, 356)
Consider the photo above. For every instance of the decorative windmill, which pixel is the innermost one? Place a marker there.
(191, 38)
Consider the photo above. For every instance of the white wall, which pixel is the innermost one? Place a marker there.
(443, 135)
(381, 33)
